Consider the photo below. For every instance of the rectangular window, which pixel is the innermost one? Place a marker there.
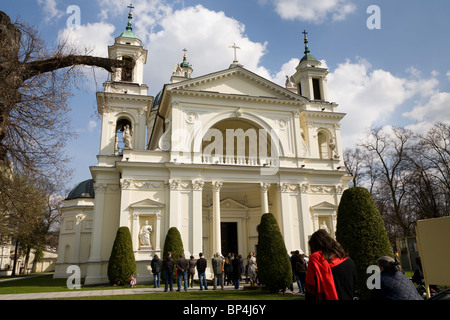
(127, 73)
(316, 89)
(300, 88)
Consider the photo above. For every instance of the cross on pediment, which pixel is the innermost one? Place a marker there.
(235, 47)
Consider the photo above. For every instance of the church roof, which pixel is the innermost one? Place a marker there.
(84, 189)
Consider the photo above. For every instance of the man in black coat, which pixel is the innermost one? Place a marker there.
(168, 271)
(156, 269)
(182, 266)
(201, 267)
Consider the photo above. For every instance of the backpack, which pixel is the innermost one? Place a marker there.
(300, 265)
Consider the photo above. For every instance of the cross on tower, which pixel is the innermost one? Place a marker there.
(185, 50)
(305, 33)
(234, 47)
(306, 42)
(130, 6)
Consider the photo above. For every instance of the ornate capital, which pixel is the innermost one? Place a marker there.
(264, 186)
(198, 185)
(174, 184)
(99, 187)
(125, 184)
(217, 185)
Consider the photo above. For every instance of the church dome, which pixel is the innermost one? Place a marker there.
(128, 33)
(84, 189)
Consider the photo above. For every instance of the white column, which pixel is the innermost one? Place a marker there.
(158, 232)
(76, 252)
(174, 200)
(94, 269)
(197, 218)
(286, 216)
(125, 188)
(305, 217)
(135, 232)
(216, 186)
(264, 197)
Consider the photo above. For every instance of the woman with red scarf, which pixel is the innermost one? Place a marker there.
(331, 275)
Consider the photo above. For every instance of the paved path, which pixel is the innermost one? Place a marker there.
(92, 293)
(83, 293)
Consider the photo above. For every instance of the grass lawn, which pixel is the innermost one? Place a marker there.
(46, 283)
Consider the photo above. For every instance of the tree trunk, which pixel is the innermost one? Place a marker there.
(16, 251)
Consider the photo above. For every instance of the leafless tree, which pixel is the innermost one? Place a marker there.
(391, 150)
(35, 82)
(407, 174)
(35, 87)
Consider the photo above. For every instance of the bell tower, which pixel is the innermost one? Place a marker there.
(127, 46)
(124, 103)
(182, 71)
(310, 79)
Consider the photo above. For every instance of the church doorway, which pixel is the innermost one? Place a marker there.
(229, 239)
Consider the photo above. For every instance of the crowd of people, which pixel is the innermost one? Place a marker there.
(226, 270)
(328, 273)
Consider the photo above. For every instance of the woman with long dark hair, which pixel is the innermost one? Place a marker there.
(331, 274)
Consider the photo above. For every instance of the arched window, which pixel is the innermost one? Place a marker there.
(237, 141)
(124, 131)
(324, 150)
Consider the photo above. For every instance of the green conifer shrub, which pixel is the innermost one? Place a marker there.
(361, 232)
(274, 267)
(174, 244)
(122, 263)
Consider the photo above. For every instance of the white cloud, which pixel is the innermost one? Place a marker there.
(367, 96)
(206, 35)
(51, 12)
(92, 38)
(314, 11)
(92, 125)
(437, 108)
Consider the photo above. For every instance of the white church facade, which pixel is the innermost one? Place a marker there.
(208, 155)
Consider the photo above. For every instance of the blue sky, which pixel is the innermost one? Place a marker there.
(396, 75)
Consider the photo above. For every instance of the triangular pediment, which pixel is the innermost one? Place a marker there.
(236, 81)
(229, 203)
(324, 206)
(147, 203)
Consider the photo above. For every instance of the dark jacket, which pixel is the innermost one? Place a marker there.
(168, 264)
(182, 265)
(298, 264)
(237, 268)
(156, 265)
(201, 265)
(394, 285)
(345, 275)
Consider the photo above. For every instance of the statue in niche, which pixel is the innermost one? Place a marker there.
(127, 137)
(144, 235)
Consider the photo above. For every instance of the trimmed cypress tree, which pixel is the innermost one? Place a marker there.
(174, 244)
(274, 267)
(361, 232)
(122, 263)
